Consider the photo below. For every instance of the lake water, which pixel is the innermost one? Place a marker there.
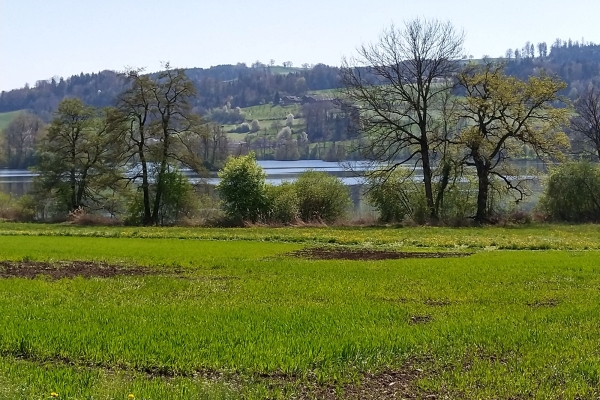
(19, 182)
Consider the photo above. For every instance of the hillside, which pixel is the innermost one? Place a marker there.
(242, 86)
(235, 85)
(6, 117)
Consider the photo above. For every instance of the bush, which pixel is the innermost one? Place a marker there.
(321, 197)
(572, 193)
(396, 196)
(17, 209)
(283, 203)
(242, 188)
(243, 128)
(178, 200)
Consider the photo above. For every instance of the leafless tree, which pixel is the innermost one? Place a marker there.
(394, 84)
(587, 121)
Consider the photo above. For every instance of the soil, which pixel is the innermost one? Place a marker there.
(324, 253)
(391, 384)
(68, 269)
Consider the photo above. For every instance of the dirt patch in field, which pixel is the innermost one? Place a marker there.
(419, 319)
(325, 253)
(544, 303)
(391, 384)
(68, 269)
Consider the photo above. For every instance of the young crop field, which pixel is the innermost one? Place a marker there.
(299, 313)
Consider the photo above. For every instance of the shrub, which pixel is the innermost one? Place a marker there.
(255, 126)
(396, 196)
(572, 193)
(242, 188)
(17, 209)
(283, 203)
(243, 128)
(321, 197)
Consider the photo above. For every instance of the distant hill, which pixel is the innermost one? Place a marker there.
(242, 86)
(235, 85)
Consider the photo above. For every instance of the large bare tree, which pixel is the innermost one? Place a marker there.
(395, 84)
(587, 120)
(159, 131)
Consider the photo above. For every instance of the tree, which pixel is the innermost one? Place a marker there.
(587, 120)
(289, 120)
(255, 126)
(75, 155)
(395, 84)
(501, 115)
(288, 64)
(19, 140)
(161, 131)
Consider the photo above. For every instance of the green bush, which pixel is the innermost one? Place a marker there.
(396, 196)
(178, 200)
(572, 193)
(17, 209)
(283, 203)
(321, 197)
(242, 189)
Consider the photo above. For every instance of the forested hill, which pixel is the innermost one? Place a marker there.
(243, 86)
(239, 85)
(575, 63)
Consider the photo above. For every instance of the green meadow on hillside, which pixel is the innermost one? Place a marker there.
(6, 117)
(186, 313)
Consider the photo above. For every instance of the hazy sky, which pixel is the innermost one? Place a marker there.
(40, 39)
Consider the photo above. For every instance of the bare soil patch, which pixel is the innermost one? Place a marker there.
(326, 253)
(391, 384)
(544, 303)
(68, 269)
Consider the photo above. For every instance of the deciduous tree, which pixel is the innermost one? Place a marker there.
(394, 84)
(76, 155)
(503, 114)
(587, 120)
(19, 139)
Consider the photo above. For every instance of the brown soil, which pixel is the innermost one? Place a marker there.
(324, 253)
(544, 303)
(391, 384)
(68, 269)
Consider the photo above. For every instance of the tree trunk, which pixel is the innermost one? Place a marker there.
(483, 189)
(160, 179)
(145, 185)
(427, 178)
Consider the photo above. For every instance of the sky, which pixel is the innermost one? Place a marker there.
(41, 39)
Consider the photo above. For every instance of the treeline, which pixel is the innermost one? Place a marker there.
(236, 85)
(576, 63)
(123, 160)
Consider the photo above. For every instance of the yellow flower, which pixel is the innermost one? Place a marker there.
(131, 396)
(54, 394)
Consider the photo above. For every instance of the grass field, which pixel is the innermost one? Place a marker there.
(232, 313)
(6, 117)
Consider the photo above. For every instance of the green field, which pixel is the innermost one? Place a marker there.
(231, 313)
(6, 117)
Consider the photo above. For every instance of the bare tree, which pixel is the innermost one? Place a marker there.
(19, 140)
(587, 121)
(394, 84)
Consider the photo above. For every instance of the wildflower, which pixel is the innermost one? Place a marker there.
(131, 396)
(54, 394)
